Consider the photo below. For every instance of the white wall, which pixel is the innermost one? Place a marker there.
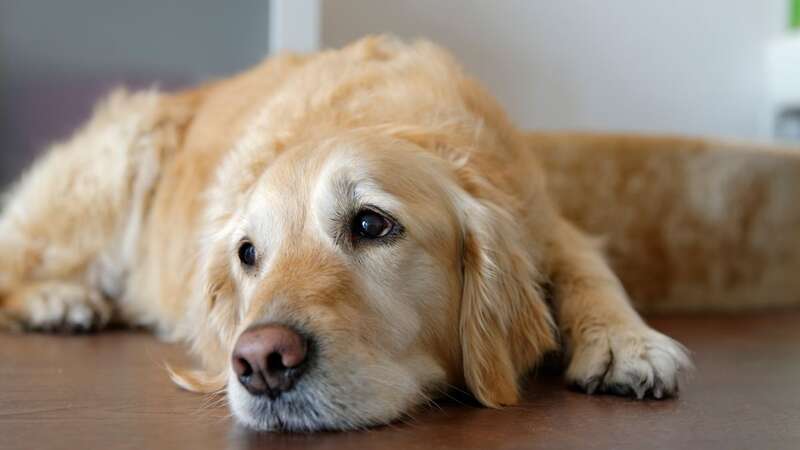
(677, 66)
(294, 25)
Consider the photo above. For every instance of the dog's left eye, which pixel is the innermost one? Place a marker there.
(369, 224)
(247, 254)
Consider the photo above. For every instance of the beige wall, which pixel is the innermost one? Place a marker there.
(677, 66)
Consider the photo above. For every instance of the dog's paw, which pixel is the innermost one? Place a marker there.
(56, 307)
(636, 362)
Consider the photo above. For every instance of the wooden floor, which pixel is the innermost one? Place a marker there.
(110, 392)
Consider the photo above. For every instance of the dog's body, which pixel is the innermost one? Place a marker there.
(238, 205)
(689, 224)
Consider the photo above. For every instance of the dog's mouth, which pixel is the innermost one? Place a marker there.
(274, 383)
(311, 405)
(330, 397)
(285, 413)
(281, 379)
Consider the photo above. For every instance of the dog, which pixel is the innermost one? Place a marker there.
(340, 237)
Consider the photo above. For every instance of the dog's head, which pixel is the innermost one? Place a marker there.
(349, 275)
(351, 280)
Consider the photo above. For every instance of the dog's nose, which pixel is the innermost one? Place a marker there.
(269, 359)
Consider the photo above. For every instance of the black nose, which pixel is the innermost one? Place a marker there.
(269, 359)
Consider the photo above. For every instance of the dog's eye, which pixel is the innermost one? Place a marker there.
(371, 225)
(247, 254)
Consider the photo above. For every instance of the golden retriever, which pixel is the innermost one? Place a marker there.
(340, 237)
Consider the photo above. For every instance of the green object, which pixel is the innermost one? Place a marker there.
(794, 15)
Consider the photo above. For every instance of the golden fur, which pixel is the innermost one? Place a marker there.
(137, 218)
(690, 224)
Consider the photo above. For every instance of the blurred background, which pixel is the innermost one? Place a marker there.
(722, 68)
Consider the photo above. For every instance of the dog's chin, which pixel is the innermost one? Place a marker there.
(295, 411)
(311, 406)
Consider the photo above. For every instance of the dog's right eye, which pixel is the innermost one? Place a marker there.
(247, 254)
(369, 224)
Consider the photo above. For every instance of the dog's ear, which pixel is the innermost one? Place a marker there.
(212, 315)
(505, 324)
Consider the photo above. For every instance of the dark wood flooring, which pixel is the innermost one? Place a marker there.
(110, 391)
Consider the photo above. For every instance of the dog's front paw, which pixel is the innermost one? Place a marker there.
(628, 361)
(56, 306)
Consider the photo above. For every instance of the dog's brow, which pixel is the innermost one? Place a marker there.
(345, 188)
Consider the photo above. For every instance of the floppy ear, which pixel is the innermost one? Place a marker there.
(505, 324)
(211, 317)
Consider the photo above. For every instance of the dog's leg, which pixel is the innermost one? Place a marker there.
(55, 306)
(65, 230)
(610, 348)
